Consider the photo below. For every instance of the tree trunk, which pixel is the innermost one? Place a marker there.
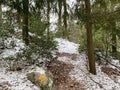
(114, 43)
(18, 14)
(59, 13)
(0, 14)
(25, 22)
(90, 49)
(65, 32)
(48, 19)
(114, 39)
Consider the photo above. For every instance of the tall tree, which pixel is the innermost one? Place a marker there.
(114, 38)
(106, 16)
(65, 32)
(113, 25)
(59, 13)
(113, 34)
(90, 50)
(18, 8)
(0, 14)
(25, 21)
(48, 18)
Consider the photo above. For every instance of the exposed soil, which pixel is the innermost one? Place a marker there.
(110, 71)
(69, 55)
(60, 71)
(5, 86)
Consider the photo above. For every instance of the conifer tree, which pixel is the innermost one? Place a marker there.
(25, 29)
(90, 49)
(0, 14)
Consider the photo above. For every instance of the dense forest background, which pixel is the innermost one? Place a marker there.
(78, 41)
(93, 24)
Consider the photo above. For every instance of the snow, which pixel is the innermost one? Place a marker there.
(19, 45)
(71, 3)
(116, 62)
(5, 8)
(80, 73)
(38, 69)
(17, 80)
(66, 46)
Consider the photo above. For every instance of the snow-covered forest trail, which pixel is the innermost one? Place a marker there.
(77, 71)
(70, 72)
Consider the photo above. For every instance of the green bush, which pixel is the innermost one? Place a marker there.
(42, 47)
(13, 64)
(42, 50)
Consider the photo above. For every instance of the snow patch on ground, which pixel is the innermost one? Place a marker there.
(66, 46)
(9, 51)
(38, 69)
(17, 79)
(115, 62)
(80, 73)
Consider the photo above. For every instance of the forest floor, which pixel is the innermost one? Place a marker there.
(70, 72)
(62, 79)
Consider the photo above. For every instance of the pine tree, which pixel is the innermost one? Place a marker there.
(18, 8)
(91, 56)
(65, 32)
(59, 14)
(0, 14)
(25, 29)
(48, 18)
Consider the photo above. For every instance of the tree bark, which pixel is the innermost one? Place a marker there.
(114, 43)
(90, 49)
(25, 22)
(18, 13)
(48, 19)
(114, 39)
(0, 14)
(60, 12)
(65, 32)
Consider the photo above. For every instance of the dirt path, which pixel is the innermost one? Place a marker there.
(60, 71)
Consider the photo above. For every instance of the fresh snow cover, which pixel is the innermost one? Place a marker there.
(89, 80)
(12, 51)
(17, 79)
(38, 69)
(80, 73)
(66, 46)
(71, 3)
(5, 8)
(116, 62)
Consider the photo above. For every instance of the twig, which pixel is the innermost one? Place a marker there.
(108, 61)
